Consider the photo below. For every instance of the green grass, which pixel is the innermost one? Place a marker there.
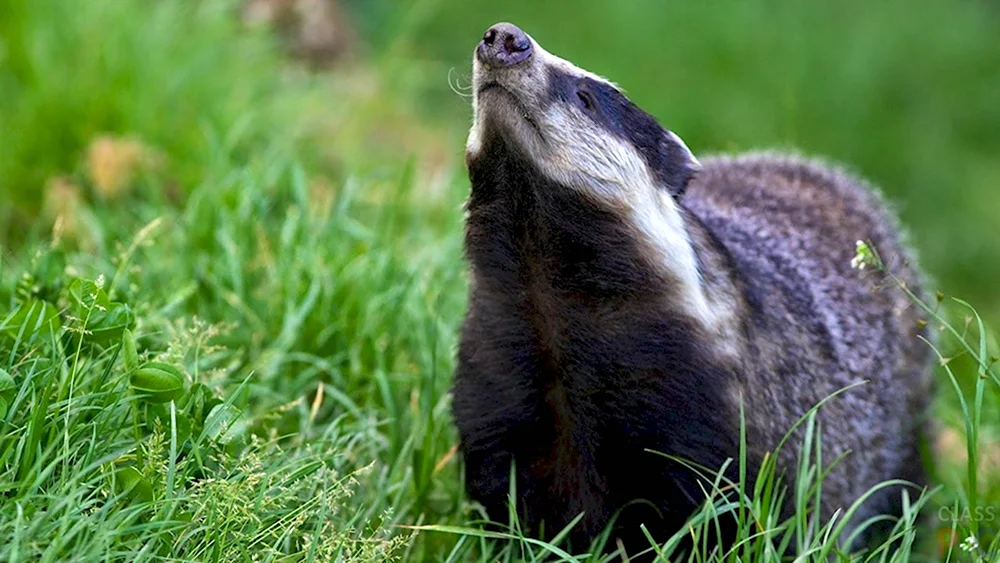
(283, 260)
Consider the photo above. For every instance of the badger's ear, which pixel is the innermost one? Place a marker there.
(675, 165)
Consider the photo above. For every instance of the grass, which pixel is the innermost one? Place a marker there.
(229, 293)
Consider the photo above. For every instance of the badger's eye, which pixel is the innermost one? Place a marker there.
(586, 100)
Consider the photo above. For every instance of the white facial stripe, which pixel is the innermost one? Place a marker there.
(657, 217)
(587, 157)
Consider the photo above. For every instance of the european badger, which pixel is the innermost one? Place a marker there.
(624, 298)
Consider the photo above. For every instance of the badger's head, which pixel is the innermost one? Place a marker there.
(576, 128)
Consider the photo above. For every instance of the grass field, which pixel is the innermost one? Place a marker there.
(230, 287)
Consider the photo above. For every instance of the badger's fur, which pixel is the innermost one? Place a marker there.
(625, 298)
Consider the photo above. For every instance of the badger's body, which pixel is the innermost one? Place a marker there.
(624, 299)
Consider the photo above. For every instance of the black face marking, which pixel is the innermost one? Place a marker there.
(614, 112)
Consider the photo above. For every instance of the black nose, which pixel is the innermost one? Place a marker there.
(504, 45)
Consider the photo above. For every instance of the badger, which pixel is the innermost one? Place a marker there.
(630, 306)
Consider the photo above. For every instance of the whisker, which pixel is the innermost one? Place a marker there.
(456, 87)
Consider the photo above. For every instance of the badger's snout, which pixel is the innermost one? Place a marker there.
(504, 45)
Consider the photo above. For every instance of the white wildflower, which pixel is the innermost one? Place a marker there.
(970, 544)
(865, 256)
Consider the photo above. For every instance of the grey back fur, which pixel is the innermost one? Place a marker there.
(790, 226)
